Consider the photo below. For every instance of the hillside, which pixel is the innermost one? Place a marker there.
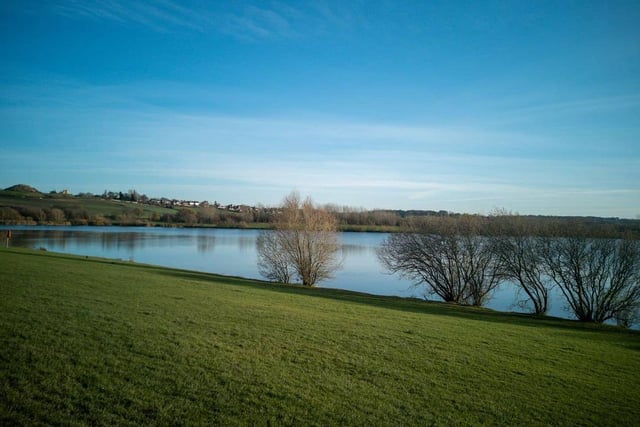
(22, 188)
(120, 343)
(26, 207)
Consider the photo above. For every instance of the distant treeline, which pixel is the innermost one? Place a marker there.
(133, 208)
(138, 215)
(496, 223)
(347, 220)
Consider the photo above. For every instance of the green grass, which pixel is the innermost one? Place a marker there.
(93, 205)
(111, 209)
(97, 342)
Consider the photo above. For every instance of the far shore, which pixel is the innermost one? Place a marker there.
(248, 226)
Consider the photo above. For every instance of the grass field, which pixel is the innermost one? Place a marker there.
(97, 342)
(93, 205)
(110, 212)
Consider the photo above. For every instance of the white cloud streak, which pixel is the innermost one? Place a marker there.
(244, 20)
(158, 16)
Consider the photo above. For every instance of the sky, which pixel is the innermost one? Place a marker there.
(465, 106)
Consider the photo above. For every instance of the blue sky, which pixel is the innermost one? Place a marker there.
(462, 106)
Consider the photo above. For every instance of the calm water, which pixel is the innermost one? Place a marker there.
(230, 252)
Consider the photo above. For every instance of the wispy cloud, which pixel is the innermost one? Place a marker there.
(577, 107)
(255, 22)
(241, 20)
(162, 15)
(136, 104)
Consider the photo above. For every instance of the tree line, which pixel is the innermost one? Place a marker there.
(464, 259)
(346, 218)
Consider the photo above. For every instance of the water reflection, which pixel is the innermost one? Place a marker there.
(113, 241)
(206, 243)
(351, 249)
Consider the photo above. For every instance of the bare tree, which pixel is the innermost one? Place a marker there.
(517, 247)
(454, 263)
(480, 266)
(304, 242)
(600, 278)
(273, 262)
(426, 258)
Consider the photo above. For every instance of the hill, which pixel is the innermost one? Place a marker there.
(120, 343)
(30, 208)
(22, 188)
(25, 205)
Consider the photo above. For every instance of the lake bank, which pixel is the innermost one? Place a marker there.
(233, 252)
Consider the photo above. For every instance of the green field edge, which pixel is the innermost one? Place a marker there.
(412, 304)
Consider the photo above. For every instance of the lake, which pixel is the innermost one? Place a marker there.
(232, 252)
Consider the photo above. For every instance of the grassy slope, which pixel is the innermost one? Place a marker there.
(93, 205)
(103, 342)
(106, 208)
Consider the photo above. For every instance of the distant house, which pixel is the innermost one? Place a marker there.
(181, 203)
